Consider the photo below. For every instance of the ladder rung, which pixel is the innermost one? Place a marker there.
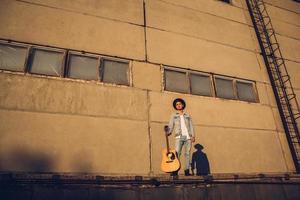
(256, 13)
(271, 54)
(265, 15)
(288, 96)
(278, 65)
(271, 45)
(276, 49)
(268, 23)
(283, 77)
(288, 116)
(286, 77)
(272, 34)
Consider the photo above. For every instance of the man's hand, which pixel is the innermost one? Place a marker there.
(166, 129)
(193, 139)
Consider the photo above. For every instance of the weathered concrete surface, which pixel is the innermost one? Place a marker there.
(113, 9)
(33, 141)
(284, 14)
(258, 150)
(57, 27)
(225, 127)
(147, 76)
(214, 112)
(265, 94)
(286, 4)
(193, 53)
(71, 97)
(179, 19)
(289, 47)
(286, 29)
(293, 69)
(216, 8)
(84, 126)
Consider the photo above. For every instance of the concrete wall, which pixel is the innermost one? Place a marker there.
(64, 125)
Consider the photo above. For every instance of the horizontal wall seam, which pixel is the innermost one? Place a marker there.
(287, 36)
(279, 19)
(199, 11)
(77, 12)
(117, 20)
(221, 43)
(71, 114)
(141, 25)
(269, 84)
(295, 61)
(204, 39)
(268, 3)
(216, 126)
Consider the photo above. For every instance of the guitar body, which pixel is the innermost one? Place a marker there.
(170, 162)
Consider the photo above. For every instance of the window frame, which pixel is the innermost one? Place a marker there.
(64, 68)
(83, 54)
(233, 86)
(169, 68)
(49, 49)
(213, 83)
(101, 71)
(254, 90)
(212, 89)
(25, 64)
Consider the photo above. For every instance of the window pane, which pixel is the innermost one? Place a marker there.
(115, 72)
(83, 67)
(200, 85)
(176, 81)
(46, 62)
(245, 91)
(12, 57)
(224, 88)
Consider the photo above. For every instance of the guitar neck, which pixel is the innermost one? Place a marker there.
(167, 141)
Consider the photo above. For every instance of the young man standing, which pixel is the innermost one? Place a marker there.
(181, 123)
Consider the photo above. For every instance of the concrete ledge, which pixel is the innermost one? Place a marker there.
(23, 178)
(61, 186)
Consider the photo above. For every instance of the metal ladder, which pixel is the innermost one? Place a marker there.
(279, 77)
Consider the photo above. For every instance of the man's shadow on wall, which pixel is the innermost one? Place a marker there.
(200, 161)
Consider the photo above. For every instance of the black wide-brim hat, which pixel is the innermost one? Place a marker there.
(178, 100)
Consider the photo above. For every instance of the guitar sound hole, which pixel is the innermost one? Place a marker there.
(171, 156)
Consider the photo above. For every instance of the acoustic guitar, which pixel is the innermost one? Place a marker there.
(170, 162)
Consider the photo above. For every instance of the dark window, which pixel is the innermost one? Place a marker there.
(224, 88)
(176, 81)
(115, 72)
(200, 84)
(245, 91)
(12, 57)
(83, 67)
(46, 62)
